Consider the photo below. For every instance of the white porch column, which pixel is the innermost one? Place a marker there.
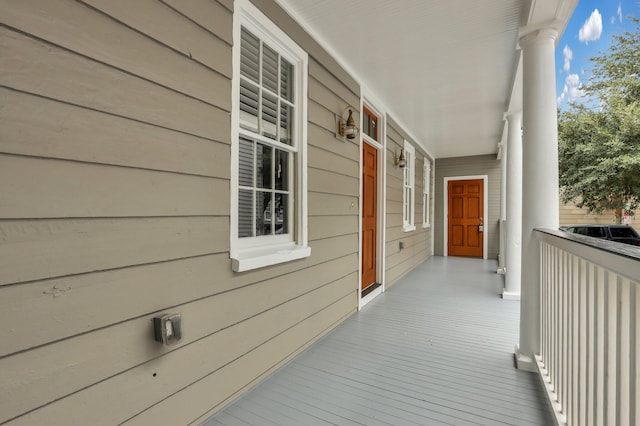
(514, 207)
(503, 205)
(540, 206)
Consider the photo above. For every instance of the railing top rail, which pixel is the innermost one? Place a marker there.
(623, 259)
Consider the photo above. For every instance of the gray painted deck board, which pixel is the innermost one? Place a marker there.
(436, 348)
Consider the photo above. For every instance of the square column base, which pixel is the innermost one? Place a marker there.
(510, 295)
(524, 362)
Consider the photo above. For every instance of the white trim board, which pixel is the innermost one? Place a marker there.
(485, 213)
(381, 183)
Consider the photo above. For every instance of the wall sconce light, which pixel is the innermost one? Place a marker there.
(347, 127)
(399, 160)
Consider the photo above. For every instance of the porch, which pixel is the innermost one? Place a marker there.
(436, 348)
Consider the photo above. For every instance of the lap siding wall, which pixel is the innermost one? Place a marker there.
(417, 243)
(114, 157)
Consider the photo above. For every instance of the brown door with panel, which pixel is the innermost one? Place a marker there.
(369, 208)
(465, 218)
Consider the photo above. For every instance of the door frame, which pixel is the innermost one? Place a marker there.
(381, 172)
(485, 211)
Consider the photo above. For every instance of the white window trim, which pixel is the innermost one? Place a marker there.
(426, 193)
(369, 101)
(267, 251)
(408, 223)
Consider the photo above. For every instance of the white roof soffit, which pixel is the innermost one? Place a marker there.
(445, 70)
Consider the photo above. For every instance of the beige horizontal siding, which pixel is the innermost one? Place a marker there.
(211, 15)
(73, 189)
(331, 226)
(326, 139)
(148, 383)
(75, 298)
(332, 183)
(115, 142)
(417, 243)
(80, 30)
(27, 64)
(38, 249)
(115, 146)
(150, 17)
(36, 126)
(244, 370)
(322, 159)
(332, 205)
(570, 214)
(96, 356)
(322, 95)
(411, 260)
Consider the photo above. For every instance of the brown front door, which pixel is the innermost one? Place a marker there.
(369, 208)
(466, 224)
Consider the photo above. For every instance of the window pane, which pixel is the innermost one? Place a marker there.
(249, 55)
(373, 130)
(286, 127)
(269, 115)
(281, 214)
(245, 214)
(282, 170)
(622, 232)
(269, 68)
(246, 162)
(249, 96)
(264, 213)
(264, 156)
(286, 80)
(405, 207)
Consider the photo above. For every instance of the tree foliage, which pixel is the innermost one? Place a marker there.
(599, 148)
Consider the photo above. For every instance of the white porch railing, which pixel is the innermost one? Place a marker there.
(590, 329)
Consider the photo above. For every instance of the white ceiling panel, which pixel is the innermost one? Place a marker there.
(444, 69)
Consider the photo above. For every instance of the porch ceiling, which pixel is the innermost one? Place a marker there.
(443, 69)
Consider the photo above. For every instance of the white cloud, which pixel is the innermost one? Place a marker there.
(563, 95)
(573, 80)
(568, 56)
(612, 20)
(619, 12)
(592, 28)
(573, 89)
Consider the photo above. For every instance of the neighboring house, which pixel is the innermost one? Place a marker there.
(570, 214)
(183, 157)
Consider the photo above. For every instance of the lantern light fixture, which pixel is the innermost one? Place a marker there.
(347, 127)
(399, 160)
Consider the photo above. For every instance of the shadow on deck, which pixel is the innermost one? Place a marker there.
(436, 348)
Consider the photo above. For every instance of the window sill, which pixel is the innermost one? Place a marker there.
(426, 225)
(266, 256)
(408, 228)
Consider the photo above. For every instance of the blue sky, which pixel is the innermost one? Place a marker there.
(588, 33)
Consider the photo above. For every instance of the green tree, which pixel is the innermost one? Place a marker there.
(599, 148)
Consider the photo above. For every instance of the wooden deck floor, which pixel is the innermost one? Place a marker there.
(436, 348)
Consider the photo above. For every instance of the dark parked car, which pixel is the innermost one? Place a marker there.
(620, 233)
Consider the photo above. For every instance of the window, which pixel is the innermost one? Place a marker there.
(369, 123)
(268, 189)
(426, 188)
(408, 197)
